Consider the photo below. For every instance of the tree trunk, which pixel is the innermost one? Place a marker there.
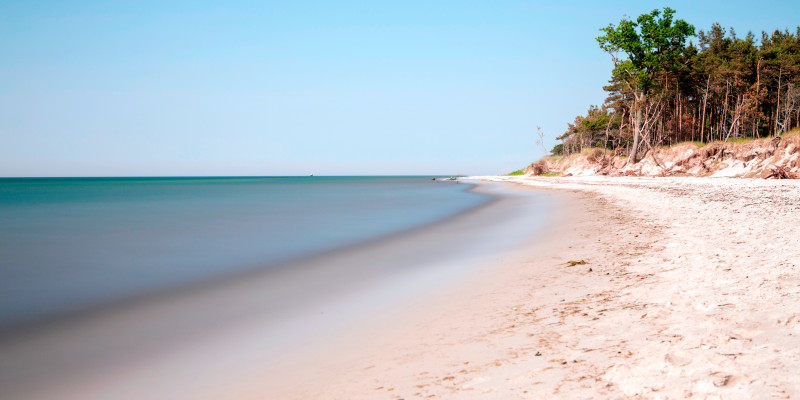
(758, 99)
(705, 102)
(778, 107)
(711, 126)
(680, 111)
(724, 116)
(621, 126)
(739, 106)
(637, 132)
(789, 105)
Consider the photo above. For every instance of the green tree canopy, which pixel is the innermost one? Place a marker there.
(665, 90)
(652, 43)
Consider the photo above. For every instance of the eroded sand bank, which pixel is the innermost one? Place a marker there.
(691, 288)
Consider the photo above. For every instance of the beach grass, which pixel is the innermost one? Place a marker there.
(694, 142)
(741, 140)
(793, 132)
(517, 172)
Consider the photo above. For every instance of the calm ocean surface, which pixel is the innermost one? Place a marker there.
(68, 243)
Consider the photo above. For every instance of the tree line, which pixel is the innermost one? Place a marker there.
(664, 91)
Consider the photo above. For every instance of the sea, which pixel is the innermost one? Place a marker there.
(71, 243)
(165, 288)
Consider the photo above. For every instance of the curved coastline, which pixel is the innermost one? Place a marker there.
(386, 271)
(254, 271)
(684, 289)
(108, 273)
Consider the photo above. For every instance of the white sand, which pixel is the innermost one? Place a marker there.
(238, 336)
(691, 289)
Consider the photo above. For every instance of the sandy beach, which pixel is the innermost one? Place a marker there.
(297, 200)
(635, 288)
(641, 287)
(241, 331)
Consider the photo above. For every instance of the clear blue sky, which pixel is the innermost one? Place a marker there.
(298, 87)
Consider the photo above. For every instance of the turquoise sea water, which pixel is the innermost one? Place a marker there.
(69, 243)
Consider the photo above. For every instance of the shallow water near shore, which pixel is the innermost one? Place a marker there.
(204, 338)
(66, 244)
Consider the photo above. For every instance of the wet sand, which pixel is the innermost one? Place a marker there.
(641, 287)
(215, 340)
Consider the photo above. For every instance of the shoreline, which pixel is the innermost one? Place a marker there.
(24, 310)
(225, 333)
(690, 288)
(253, 271)
(380, 362)
(637, 287)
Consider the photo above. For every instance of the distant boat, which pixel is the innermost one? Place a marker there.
(311, 175)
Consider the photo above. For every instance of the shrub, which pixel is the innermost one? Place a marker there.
(595, 156)
(539, 167)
